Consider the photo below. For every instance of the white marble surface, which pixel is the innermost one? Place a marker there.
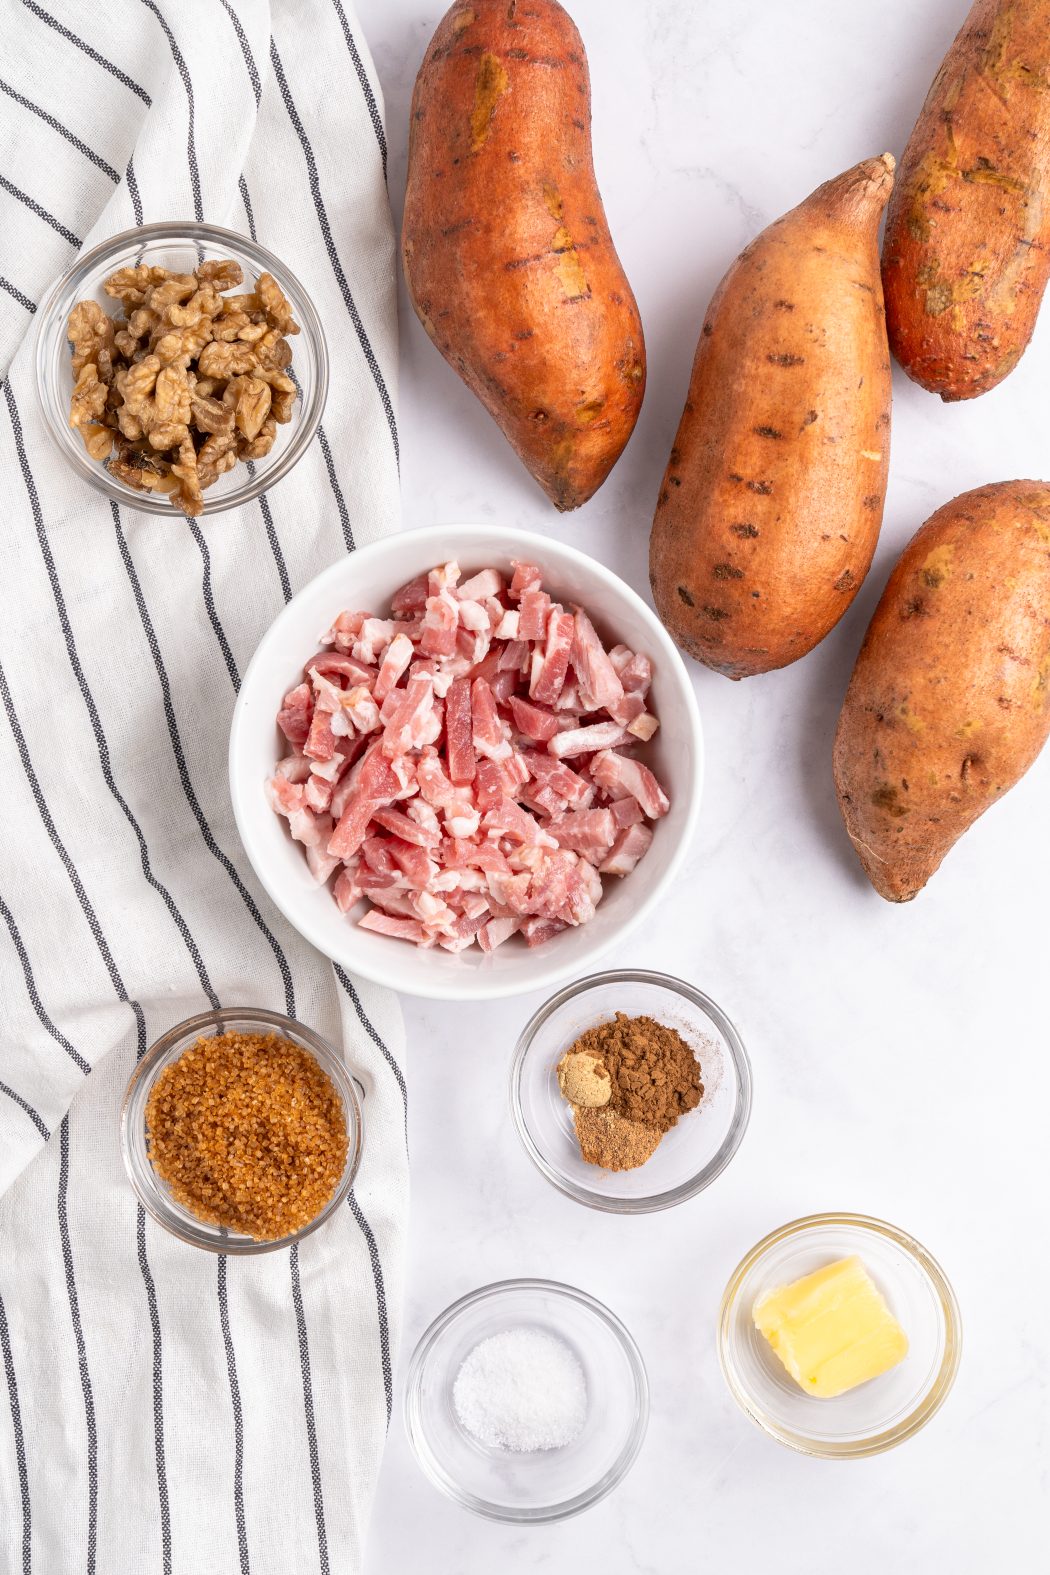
(900, 1055)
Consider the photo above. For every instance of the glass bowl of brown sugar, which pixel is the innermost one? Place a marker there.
(241, 1131)
(623, 1148)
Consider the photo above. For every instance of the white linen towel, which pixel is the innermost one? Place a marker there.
(162, 1409)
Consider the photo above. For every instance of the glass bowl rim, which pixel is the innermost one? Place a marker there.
(203, 1234)
(651, 1203)
(928, 1404)
(436, 1473)
(306, 315)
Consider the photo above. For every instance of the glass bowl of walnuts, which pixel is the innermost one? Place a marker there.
(181, 366)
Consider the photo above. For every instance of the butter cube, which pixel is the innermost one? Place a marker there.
(832, 1329)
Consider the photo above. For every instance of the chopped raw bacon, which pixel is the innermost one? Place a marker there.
(619, 773)
(412, 597)
(548, 672)
(533, 721)
(631, 845)
(585, 740)
(294, 716)
(427, 766)
(459, 736)
(596, 674)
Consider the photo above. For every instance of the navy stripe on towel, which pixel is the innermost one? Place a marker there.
(384, 1325)
(308, 1404)
(20, 1444)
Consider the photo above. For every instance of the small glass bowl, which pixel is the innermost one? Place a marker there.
(693, 1153)
(153, 1193)
(881, 1413)
(548, 1484)
(180, 247)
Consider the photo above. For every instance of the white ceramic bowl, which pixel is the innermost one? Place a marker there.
(367, 579)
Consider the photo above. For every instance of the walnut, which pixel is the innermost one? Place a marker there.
(252, 404)
(89, 397)
(223, 272)
(275, 304)
(98, 440)
(187, 494)
(210, 415)
(172, 395)
(282, 404)
(259, 447)
(226, 360)
(186, 365)
(139, 383)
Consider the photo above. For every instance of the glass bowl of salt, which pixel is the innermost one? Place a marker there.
(526, 1401)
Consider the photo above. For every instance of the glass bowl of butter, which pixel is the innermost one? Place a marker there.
(839, 1335)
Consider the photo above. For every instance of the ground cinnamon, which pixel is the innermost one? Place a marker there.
(654, 1078)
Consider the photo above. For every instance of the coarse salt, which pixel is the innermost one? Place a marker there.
(522, 1389)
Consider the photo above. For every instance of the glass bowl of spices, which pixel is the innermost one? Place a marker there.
(631, 1091)
(241, 1130)
(839, 1335)
(526, 1401)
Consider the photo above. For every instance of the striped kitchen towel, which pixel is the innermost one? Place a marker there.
(161, 1409)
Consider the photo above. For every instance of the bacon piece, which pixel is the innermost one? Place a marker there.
(536, 931)
(625, 812)
(459, 738)
(414, 862)
(459, 853)
(440, 625)
(507, 626)
(584, 740)
(628, 708)
(408, 830)
(637, 675)
(407, 722)
(346, 891)
(509, 819)
(549, 678)
(294, 768)
(496, 931)
(591, 832)
(514, 657)
(533, 721)
(569, 701)
(336, 664)
(374, 636)
(490, 739)
(552, 773)
(597, 676)
(395, 661)
(374, 788)
(524, 578)
(345, 630)
(533, 615)
(320, 864)
(487, 582)
(631, 845)
(444, 578)
(317, 794)
(410, 597)
(511, 890)
(643, 727)
(295, 714)
(514, 773)
(402, 929)
(618, 774)
(320, 742)
(488, 791)
(377, 856)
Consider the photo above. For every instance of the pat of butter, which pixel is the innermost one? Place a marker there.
(832, 1329)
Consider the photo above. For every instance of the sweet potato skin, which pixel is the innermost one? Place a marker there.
(949, 702)
(771, 504)
(967, 249)
(507, 253)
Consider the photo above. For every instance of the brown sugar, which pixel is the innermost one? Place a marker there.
(248, 1132)
(612, 1142)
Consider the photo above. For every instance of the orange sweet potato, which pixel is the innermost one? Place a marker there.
(967, 248)
(507, 253)
(949, 703)
(772, 501)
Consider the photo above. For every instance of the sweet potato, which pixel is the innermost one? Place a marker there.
(967, 248)
(507, 253)
(772, 501)
(949, 703)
